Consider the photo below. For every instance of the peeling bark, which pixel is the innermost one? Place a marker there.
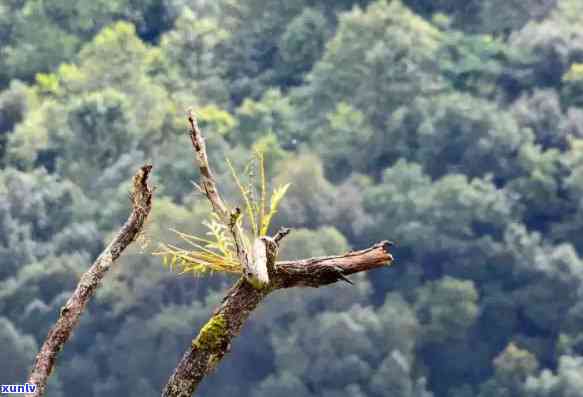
(316, 272)
(72, 310)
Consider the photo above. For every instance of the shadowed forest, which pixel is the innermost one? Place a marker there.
(452, 127)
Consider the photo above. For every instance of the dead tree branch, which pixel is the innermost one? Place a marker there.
(211, 191)
(71, 312)
(317, 272)
(214, 339)
(281, 234)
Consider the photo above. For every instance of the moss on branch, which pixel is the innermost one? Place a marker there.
(213, 334)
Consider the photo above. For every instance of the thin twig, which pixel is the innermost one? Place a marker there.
(197, 187)
(281, 234)
(211, 191)
(208, 181)
(72, 310)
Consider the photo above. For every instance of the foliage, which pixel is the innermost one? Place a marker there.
(20, 348)
(573, 85)
(452, 127)
(217, 253)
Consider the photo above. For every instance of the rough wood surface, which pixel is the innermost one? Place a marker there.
(214, 340)
(71, 312)
(316, 272)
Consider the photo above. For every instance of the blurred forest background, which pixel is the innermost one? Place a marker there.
(453, 127)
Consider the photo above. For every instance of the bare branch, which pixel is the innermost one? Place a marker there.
(211, 191)
(71, 312)
(281, 234)
(209, 184)
(214, 339)
(316, 272)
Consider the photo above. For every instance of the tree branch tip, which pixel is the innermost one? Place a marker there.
(386, 247)
(192, 118)
(141, 177)
(234, 217)
(141, 195)
(146, 169)
(90, 282)
(281, 234)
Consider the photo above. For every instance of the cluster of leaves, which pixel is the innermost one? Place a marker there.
(217, 252)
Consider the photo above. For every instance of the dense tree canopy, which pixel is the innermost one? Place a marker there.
(453, 127)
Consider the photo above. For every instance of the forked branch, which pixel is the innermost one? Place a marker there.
(214, 339)
(72, 310)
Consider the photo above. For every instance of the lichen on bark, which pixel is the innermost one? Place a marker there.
(213, 334)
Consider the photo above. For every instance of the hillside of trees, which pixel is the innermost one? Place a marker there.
(452, 127)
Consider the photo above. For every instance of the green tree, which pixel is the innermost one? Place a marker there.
(191, 53)
(14, 104)
(565, 382)
(512, 367)
(360, 67)
(455, 133)
(491, 16)
(555, 42)
(18, 349)
(542, 112)
(273, 114)
(460, 221)
(302, 44)
(484, 65)
(345, 128)
(446, 309)
(342, 364)
(40, 215)
(572, 90)
(79, 107)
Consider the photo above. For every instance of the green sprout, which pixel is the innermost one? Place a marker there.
(216, 252)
